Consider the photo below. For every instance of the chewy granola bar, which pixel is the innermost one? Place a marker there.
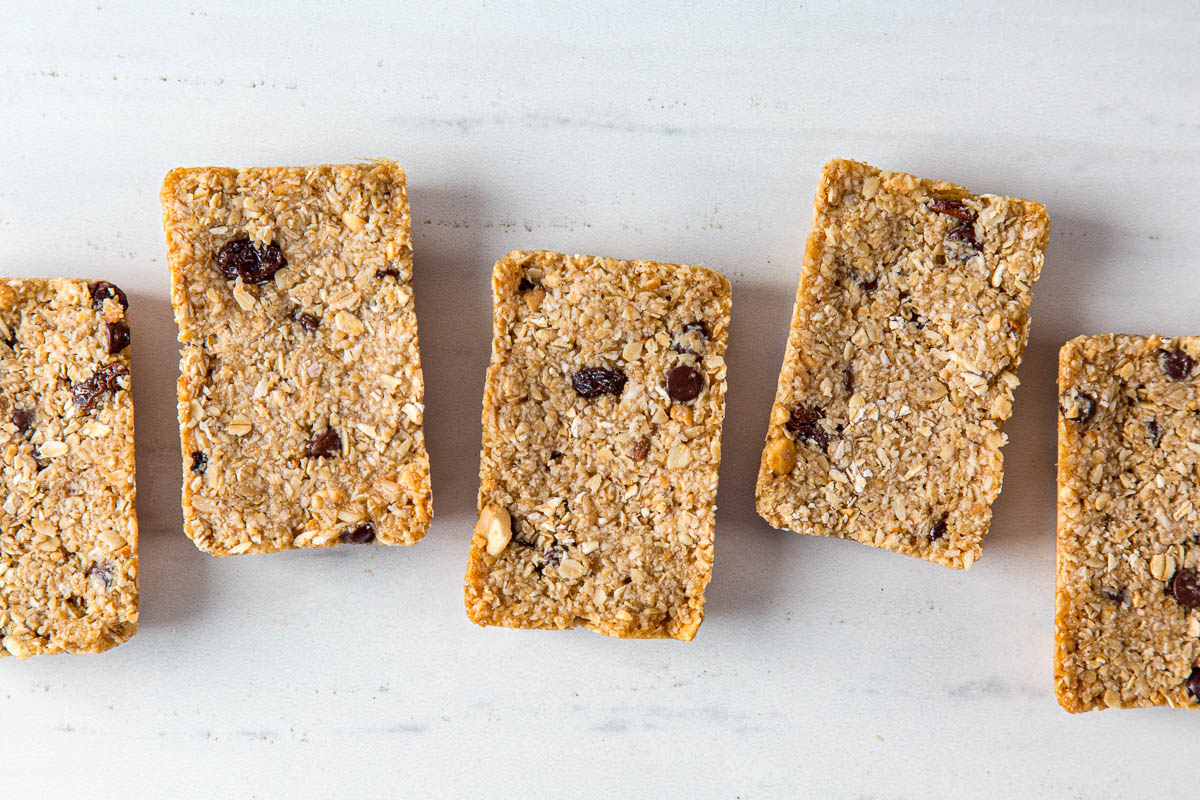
(911, 316)
(601, 439)
(300, 398)
(1127, 622)
(68, 531)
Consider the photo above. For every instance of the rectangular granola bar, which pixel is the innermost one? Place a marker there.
(601, 439)
(910, 320)
(1127, 621)
(68, 530)
(300, 394)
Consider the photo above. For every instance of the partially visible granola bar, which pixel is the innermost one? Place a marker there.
(601, 439)
(910, 320)
(1127, 622)
(68, 530)
(300, 394)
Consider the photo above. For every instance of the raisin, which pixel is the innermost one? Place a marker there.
(953, 208)
(1077, 406)
(199, 462)
(361, 534)
(938, 529)
(698, 326)
(525, 285)
(103, 572)
(684, 384)
(1114, 595)
(103, 290)
(1185, 587)
(387, 272)
(848, 380)
(1176, 363)
(1193, 683)
(554, 556)
(22, 419)
(517, 538)
(87, 393)
(965, 234)
(641, 449)
(803, 423)
(1154, 432)
(867, 284)
(118, 337)
(243, 259)
(592, 382)
(326, 443)
(307, 321)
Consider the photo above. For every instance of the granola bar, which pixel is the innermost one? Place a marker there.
(601, 439)
(300, 394)
(68, 531)
(910, 320)
(1127, 622)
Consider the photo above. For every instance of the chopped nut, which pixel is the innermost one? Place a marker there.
(678, 457)
(351, 221)
(243, 296)
(53, 449)
(495, 525)
(571, 568)
(781, 455)
(348, 324)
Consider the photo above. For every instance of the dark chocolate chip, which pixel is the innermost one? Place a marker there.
(525, 285)
(684, 384)
(517, 537)
(1154, 432)
(953, 208)
(848, 380)
(867, 284)
(938, 529)
(87, 393)
(387, 272)
(699, 326)
(102, 572)
(803, 423)
(641, 449)
(554, 556)
(103, 290)
(325, 443)
(199, 462)
(592, 382)
(1114, 595)
(362, 534)
(1077, 405)
(307, 321)
(243, 259)
(1193, 683)
(1176, 363)
(22, 419)
(118, 337)
(1185, 586)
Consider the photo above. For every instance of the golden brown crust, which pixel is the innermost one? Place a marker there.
(911, 316)
(598, 511)
(267, 368)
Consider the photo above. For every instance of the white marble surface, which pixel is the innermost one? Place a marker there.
(690, 132)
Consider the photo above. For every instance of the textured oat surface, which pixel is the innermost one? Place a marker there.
(267, 369)
(598, 511)
(68, 531)
(1128, 465)
(910, 319)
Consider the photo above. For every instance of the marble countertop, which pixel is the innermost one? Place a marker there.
(680, 131)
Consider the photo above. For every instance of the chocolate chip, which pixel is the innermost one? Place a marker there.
(803, 423)
(102, 572)
(965, 234)
(22, 419)
(592, 382)
(1185, 586)
(307, 321)
(938, 529)
(954, 208)
(387, 272)
(1077, 406)
(362, 534)
(199, 462)
(698, 326)
(118, 337)
(1154, 432)
(641, 449)
(525, 285)
(325, 443)
(848, 380)
(1176, 363)
(87, 393)
(252, 263)
(103, 290)
(684, 384)
(867, 284)
(554, 556)
(1193, 683)
(1114, 595)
